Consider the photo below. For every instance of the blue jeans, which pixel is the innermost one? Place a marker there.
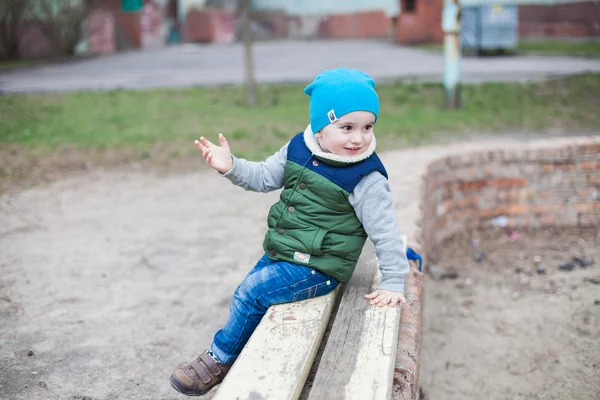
(269, 282)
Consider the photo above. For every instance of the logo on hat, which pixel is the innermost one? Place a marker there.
(331, 115)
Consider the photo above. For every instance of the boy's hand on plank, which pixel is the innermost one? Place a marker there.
(385, 297)
(217, 157)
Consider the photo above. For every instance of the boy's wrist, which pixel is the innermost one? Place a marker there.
(229, 167)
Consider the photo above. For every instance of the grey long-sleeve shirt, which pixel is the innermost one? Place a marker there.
(371, 199)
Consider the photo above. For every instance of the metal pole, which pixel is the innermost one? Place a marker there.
(248, 62)
(451, 28)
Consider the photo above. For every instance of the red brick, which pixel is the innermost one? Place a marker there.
(129, 28)
(594, 179)
(516, 209)
(466, 202)
(590, 165)
(554, 29)
(360, 25)
(405, 362)
(573, 19)
(585, 192)
(151, 26)
(275, 21)
(459, 215)
(508, 195)
(440, 222)
(472, 172)
(477, 184)
(208, 26)
(422, 25)
(489, 170)
(545, 194)
(547, 167)
(588, 207)
(491, 212)
(526, 194)
(592, 148)
(101, 32)
(509, 182)
(568, 166)
(546, 208)
(548, 219)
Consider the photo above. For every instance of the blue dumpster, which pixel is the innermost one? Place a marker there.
(489, 27)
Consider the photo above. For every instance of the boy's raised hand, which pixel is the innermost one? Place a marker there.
(385, 297)
(217, 157)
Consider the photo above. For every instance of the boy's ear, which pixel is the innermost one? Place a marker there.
(318, 135)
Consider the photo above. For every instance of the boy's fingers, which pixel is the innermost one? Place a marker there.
(206, 142)
(376, 300)
(380, 299)
(384, 302)
(199, 145)
(371, 295)
(394, 302)
(223, 142)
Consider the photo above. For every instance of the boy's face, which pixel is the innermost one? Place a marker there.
(348, 136)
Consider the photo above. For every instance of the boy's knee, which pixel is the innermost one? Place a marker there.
(247, 291)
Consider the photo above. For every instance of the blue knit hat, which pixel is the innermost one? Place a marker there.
(340, 91)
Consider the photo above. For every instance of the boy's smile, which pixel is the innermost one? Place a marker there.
(348, 136)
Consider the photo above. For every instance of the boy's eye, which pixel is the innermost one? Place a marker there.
(368, 127)
(347, 127)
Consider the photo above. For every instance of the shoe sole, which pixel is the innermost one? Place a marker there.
(183, 389)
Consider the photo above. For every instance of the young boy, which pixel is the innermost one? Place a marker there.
(335, 194)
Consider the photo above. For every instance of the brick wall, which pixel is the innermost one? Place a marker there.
(408, 351)
(101, 32)
(33, 42)
(208, 26)
(422, 25)
(534, 188)
(359, 25)
(132, 30)
(561, 20)
(275, 22)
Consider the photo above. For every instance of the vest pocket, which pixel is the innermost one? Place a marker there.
(299, 237)
(317, 242)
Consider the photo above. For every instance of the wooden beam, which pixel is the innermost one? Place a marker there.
(359, 357)
(276, 360)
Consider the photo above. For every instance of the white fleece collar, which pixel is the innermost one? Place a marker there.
(315, 149)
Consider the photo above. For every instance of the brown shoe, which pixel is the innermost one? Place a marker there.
(199, 376)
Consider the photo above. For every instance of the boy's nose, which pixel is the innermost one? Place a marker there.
(356, 139)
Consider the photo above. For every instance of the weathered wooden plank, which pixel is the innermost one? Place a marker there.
(359, 357)
(276, 360)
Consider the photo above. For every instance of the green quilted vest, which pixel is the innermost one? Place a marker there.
(313, 223)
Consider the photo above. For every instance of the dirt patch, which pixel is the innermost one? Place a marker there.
(511, 315)
(24, 167)
(113, 276)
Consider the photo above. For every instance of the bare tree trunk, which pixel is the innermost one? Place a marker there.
(248, 62)
(60, 21)
(11, 16)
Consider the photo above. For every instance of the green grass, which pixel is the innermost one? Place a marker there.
(16, 64)
(411, 114)
(544, 47)
(560, 47)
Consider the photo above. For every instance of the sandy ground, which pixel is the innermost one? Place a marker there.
(501, 330)
(110, 279)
